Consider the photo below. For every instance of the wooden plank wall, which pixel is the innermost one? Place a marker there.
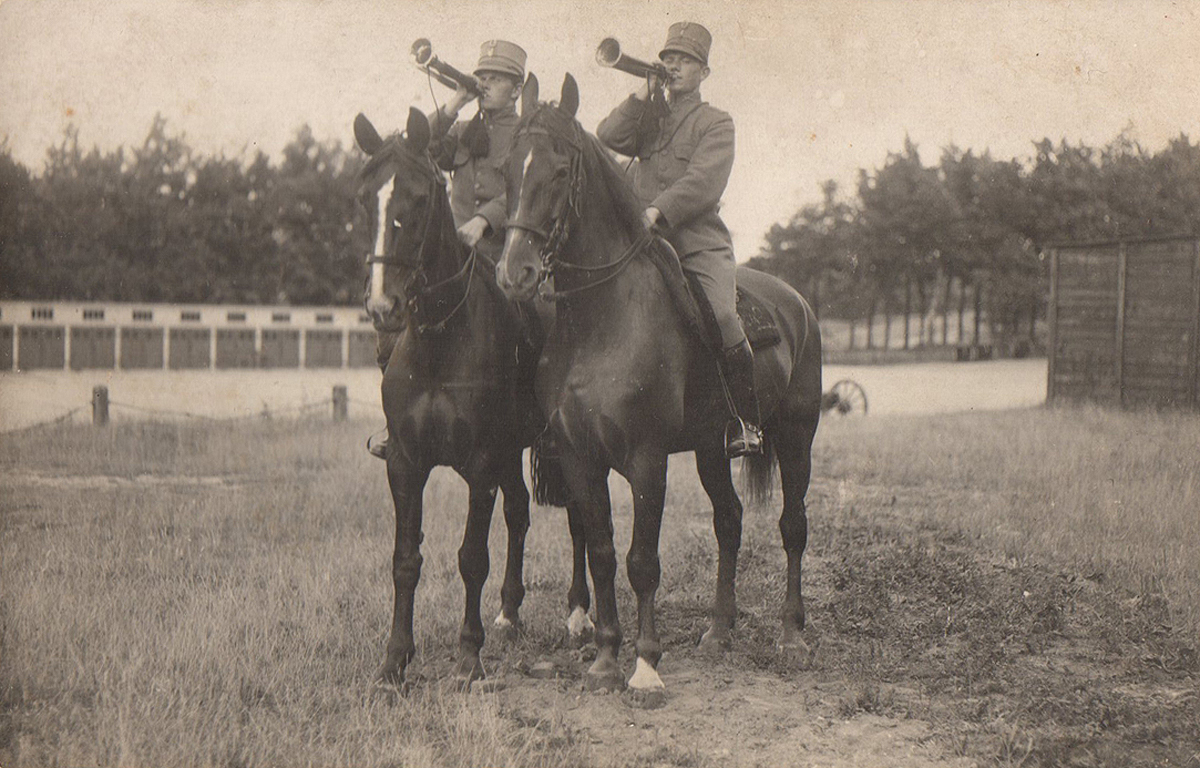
(1125, 321)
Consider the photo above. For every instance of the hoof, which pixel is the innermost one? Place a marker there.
(604, 675)
(389, 676)
(389, 693)
(467, 671)
(505, 631)
(645, 677)
(794, 649)
(580, 629)
(637, 698)
(714, 644)
(487, 686)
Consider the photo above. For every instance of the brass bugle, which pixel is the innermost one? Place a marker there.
(608, 54)
(422, 56)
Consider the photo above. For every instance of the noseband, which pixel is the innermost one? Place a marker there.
(417, 286)
(569, 209)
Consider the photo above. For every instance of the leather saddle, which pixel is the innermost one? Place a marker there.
(756, 318)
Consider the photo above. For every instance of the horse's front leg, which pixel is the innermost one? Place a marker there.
(516, 519)
(648, 480)
(407, 483)
(713, 467)
(473, 564)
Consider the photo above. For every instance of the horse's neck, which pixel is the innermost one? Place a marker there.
(636, 298)
(485, 313)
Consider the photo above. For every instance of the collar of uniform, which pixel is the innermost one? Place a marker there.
(684, 101)
(500, 114)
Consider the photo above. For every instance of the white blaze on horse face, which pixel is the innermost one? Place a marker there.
(383, 197)
(524, 176)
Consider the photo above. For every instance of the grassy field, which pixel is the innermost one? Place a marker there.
(1109, 494)
(1024, 581)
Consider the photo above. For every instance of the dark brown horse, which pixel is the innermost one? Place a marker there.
(626, 380)
(451, 389)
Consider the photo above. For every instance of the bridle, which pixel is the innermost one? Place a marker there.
(417, 287)
(567, 211)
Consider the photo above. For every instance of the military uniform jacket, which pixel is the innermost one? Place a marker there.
(681, 169)
(478, 182)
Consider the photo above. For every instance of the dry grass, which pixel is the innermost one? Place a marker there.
(220, 594)
(1114, 495)
(237, 623)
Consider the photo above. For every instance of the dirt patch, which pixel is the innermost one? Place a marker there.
(716, 715)
(931, 651)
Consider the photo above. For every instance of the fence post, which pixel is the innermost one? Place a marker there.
(341, 402)
(99, 405)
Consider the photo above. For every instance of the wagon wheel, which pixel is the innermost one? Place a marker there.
(846, 398)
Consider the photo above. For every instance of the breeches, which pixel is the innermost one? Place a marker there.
(716, 272)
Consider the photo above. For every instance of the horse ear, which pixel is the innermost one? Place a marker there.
(529, 95)
(365, 135)
(569, 102)
(417, 131)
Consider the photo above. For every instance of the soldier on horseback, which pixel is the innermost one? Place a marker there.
(473, 153)
(683, 152)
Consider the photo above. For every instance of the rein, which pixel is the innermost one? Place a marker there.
(417, 286)
(560, 229)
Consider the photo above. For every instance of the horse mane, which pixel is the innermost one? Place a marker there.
(628, 208)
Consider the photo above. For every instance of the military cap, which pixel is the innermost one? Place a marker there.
(690, 38)
(501, 56)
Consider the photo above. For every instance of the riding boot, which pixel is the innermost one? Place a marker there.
(379, 447)
(742, 434)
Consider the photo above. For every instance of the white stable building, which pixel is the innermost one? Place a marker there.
(108, 335)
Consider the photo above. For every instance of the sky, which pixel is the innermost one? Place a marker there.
(817, 90)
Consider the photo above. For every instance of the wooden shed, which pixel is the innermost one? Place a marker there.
(1125, 323)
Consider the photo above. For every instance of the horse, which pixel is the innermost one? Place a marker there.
(451, 388)
(626, 378)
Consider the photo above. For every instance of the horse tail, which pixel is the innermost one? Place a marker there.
(758, 474)
(549, 482)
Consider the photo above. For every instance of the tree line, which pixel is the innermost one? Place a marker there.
(164, 223)
(965, 237)
(968, 236)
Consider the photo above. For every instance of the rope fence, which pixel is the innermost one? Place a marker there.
(338, 405)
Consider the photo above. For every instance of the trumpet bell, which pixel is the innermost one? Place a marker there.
(609, 52)
(422, 51)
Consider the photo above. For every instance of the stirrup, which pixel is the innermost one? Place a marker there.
(377, 444)
(742, 438)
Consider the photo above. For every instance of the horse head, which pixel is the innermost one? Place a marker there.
(398, 190)
(542, 177)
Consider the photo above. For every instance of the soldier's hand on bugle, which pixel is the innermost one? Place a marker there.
(650, 84)
(462, 96)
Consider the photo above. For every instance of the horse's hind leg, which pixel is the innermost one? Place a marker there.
(589, 491)
(473, 564)
(579, 625)
(793, 444)
(713, 466)
(516, 519)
